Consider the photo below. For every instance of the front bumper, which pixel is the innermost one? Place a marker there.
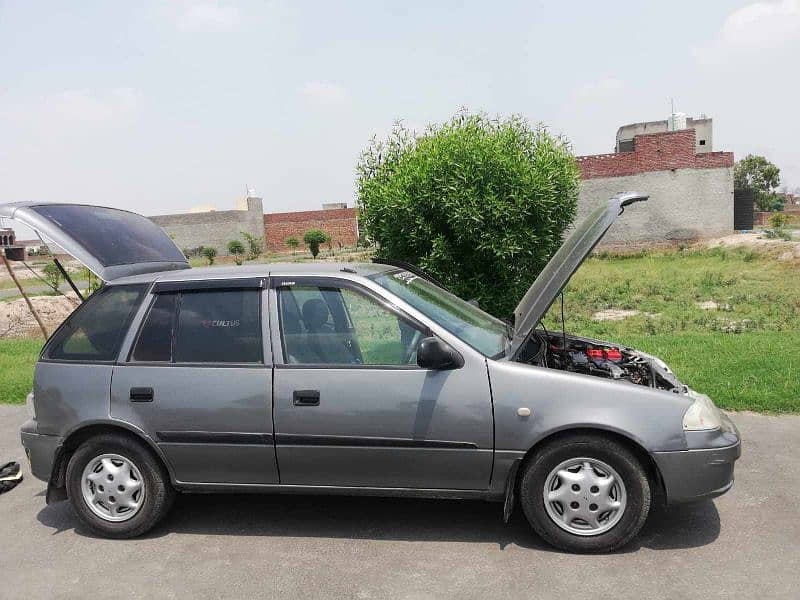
(703, 471)
(40, 450)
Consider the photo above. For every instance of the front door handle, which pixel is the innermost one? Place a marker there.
(141, 394)
(305, 398)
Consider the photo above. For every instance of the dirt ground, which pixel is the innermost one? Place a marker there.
(16, 319)
(783, 251)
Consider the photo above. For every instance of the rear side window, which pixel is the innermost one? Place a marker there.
(155, 339)
(219, 326)
(94, 332)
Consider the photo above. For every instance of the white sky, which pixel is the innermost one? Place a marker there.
(161, 106)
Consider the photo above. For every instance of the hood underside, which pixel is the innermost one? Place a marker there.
(562, 266)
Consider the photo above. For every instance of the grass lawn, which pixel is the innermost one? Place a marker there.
(745, 354)
(17, 359)
(749, 371)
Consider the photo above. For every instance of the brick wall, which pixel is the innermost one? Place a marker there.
(654, 152)
(341, 224)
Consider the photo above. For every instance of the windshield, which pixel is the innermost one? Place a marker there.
(487, 335)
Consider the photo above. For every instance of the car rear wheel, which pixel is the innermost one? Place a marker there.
(117, 486)
(585, 493)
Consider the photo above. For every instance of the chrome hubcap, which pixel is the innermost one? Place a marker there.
(113, 487)
(584, 496)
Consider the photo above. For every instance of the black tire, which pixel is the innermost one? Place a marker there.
(159, 493)
(615, 455)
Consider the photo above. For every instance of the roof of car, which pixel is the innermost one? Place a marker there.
(258, 270)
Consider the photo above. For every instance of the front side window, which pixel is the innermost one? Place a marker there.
(94, 332)
(341, 326)
(217, 326)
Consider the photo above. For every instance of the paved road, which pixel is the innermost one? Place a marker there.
(743, 545)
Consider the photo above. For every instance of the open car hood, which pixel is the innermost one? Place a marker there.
(558, 271)
(111, 243)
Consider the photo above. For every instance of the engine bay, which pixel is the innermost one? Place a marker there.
(600, 359)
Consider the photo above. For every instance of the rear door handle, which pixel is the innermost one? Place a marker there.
(305, 398)
(141, 394)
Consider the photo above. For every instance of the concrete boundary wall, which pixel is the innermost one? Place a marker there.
(214, 228)
(684, 205)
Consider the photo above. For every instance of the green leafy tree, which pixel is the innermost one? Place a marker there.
(255, 245)
(313, 238)
(760, 175)
(480, 203)
(210, 254)
(293, 243)
(236, 250)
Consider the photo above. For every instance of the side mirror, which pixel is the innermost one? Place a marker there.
(433, 353)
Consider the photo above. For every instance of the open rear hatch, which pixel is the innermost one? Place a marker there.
(111, 243)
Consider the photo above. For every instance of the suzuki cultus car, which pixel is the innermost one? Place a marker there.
(326, 378)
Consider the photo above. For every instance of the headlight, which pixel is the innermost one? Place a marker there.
(702, 414)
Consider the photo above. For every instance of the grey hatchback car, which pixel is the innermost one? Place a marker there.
(333, 378)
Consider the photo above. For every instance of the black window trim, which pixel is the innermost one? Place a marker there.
(182, 287)
(277, 282)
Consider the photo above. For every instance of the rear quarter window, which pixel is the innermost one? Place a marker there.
(95, 330)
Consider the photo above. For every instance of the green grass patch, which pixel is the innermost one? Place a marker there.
(744, 353)
(752, 290)
(750, 371)
(17, 360)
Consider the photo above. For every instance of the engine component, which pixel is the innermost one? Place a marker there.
(591, 357)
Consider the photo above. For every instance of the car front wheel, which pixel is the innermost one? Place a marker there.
(117, 487)
(585, 493)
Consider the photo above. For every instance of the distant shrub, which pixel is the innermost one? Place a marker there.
(52, 275)
(313, 238)
(236, 250)
(209, 254)
(293, 243)
(255, 245)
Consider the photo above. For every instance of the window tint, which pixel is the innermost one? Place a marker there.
(155, 339)
(114, 237)
(94, 332)
(221, 326)
(336, 326)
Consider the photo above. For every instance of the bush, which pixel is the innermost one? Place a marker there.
(209, 254)
(52, 275)
(293, 243)
(313, 238)
(255, 245)
(236, 249)
(480, 203)
(779, 220)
